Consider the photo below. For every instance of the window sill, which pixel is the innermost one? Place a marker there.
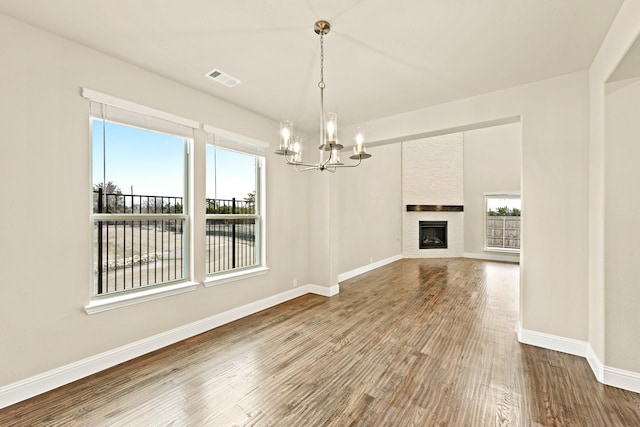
(236, 275)
(500, 250)
(117, 301)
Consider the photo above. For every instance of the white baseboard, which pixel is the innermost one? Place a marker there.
(366, 268)
(596, 365)
(614, 377)
(323, 290)
(492, 257)
(553, 342)
(620, 378)
(54, 378)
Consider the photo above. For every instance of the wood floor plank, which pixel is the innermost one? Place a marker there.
(414, 343)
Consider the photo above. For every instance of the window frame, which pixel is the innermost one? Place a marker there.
(159, 122)
(219, 138)
(502, 195)
(122, 217)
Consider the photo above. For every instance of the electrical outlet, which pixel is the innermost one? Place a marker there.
(295, 283)
(370, 260)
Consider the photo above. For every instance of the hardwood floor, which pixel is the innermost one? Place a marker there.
(417, 342)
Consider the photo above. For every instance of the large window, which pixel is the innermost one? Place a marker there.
(140, 190)
(233, 205)
(502, 222)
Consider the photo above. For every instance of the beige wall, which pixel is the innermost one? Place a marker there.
(370, 209)
(492, 164)
(622, 227)
(320, 199)
(554, 116)
(45, 188)
(610, 287)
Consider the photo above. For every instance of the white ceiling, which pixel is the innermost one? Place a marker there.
(382, 57)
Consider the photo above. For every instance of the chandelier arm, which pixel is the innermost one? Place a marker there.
(308, 168)
(325, 162)
(348, 166)
(291, 162)
(357, 164)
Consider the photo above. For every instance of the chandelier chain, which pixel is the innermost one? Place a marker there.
(321, 84)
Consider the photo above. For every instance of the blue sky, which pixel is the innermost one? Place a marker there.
(229, 174)
(152, 163)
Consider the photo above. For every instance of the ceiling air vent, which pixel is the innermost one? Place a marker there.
(222, 78)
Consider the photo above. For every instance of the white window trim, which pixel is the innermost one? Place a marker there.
(221, 138)
(234, 141)
(99, 304)
(103, 98)
(506, 195)
(502, 250)
(216, 279)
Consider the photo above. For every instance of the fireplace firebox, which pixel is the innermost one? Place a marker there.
(433, 234)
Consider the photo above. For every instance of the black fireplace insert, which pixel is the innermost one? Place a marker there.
(433, 234)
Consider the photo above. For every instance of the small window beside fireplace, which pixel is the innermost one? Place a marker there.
(433, 235)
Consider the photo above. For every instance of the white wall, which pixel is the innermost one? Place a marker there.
(492, 164)
(432, 174)
(45, 193)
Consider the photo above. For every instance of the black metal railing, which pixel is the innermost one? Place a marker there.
(231, 243)
(231, 206)
(118, 203)
(131, 253)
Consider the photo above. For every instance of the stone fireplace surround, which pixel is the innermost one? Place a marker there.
(411, 231)
(433, 190)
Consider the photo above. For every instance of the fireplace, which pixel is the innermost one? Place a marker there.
(433, 235)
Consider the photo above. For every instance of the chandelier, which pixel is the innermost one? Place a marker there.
(330, 147)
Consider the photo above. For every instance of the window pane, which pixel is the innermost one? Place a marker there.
(137, 253)
(230, 174)
(137, 161)
(230, 244)
(503, 222)
(137, 171)
(503, 204)
(231, 190)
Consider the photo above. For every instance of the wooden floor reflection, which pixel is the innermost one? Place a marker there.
(418, 342)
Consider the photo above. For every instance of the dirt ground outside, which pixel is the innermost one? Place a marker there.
(143, 253)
